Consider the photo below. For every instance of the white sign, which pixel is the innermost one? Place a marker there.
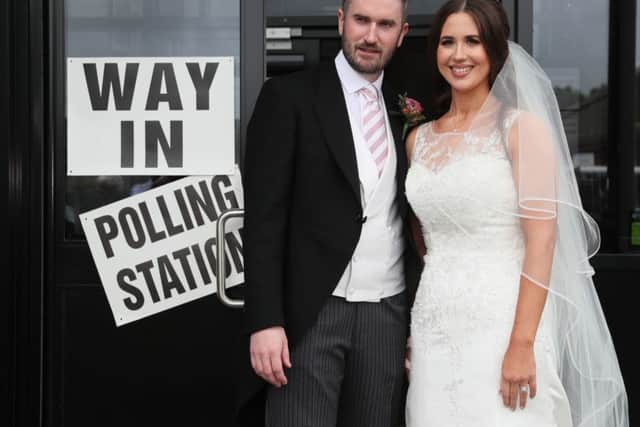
(157, 250)
(150, 116)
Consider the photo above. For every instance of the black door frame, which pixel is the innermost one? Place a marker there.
(26, 207)
(32, 46)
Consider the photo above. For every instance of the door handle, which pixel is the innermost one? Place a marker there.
(221, 275)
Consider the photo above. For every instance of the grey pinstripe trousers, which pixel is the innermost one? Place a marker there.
(348, 370)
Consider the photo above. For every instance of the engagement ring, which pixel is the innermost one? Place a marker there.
(524, 388)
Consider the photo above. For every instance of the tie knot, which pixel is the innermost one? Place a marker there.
(370, 93)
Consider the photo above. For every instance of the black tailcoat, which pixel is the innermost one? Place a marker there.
(303, 214)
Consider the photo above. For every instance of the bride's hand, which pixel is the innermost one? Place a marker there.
(518, 380)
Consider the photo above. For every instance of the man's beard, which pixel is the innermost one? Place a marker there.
(370, 67)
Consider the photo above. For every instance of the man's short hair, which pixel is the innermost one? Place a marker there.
(405, 3)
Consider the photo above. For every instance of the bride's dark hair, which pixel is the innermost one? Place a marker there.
(493, 26)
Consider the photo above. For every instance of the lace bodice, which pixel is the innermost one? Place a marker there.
(437, 150)
(460, 186)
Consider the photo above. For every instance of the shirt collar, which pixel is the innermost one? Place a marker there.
(352, 80)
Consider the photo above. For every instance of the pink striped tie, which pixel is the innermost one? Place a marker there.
(375, 132)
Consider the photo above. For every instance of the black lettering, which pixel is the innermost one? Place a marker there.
(200, 204)
(209, 250)
(106, 234)
(234, 248)
(154, 136)
(168, 277)
(126, 144)
(138, 301)
(163, 72)
(172, 229)
(134, 242)
(202, 82)
(217, 184)
(145, 269)
(154, 235)
(202, 267)
(182, 204)
(111, 83)
(181, 255)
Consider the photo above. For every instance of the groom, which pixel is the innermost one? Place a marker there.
(324, 237)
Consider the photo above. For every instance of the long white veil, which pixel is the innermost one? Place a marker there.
(547, 190)
(523, 108)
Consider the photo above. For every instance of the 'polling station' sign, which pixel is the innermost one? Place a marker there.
(157, 250)
(150, 116)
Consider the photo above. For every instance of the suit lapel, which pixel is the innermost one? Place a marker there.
(396, 122)
(395, 117)
(331, 109)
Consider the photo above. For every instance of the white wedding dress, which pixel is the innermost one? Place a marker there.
(465, 304)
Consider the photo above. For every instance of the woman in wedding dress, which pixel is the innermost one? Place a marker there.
(506, 327)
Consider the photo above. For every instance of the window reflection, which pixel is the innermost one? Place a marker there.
(578, 68)
(123, 28)
(85, 193)
(329, 7)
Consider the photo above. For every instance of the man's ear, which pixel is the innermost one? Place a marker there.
(340, 20)
(403, 33)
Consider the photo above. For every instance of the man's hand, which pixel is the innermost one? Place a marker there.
(269, 352)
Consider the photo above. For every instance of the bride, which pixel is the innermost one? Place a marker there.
(506, 327)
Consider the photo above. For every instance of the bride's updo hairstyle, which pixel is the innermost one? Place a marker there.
(493, 26)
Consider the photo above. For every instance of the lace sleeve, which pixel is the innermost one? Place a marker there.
(507, 122)
(420, 146)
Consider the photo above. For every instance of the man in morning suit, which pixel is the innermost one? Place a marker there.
(326, 304)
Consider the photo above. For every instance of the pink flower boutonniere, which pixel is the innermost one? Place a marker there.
(412, 112)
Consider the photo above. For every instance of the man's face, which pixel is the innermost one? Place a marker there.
(371, 31)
